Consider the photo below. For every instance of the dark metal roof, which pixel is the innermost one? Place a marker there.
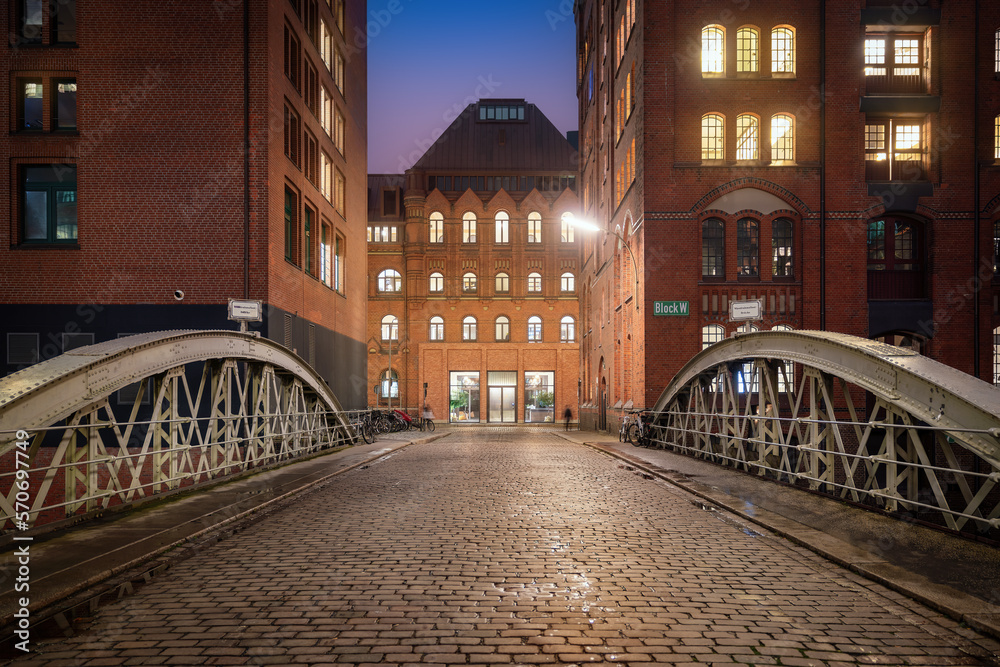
(489, 146)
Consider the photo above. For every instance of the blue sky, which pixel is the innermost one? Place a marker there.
(428, 59)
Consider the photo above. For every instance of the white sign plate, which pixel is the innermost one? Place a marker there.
(243, 310)
(752, 309)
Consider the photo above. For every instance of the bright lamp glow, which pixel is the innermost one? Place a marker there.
(580, 223)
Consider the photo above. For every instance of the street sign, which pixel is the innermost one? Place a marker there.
(671, 308)
(752, 309)
(245, 310)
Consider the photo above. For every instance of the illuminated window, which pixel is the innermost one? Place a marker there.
(567, 282)
(534, 329)
(502, 227)
(747, 50)
(390, 281)
(503, 328)
(782, 138)
(747, 137)
(713, 50)
(436, 282)
(996, 50)
(712, 137)
(893, 63)
(748, 247)
(436, 228)
(786, 369)
(437, 328)
(996, 138)
(567, 228)
(567, 330)
(534, 282)
(781, 248)
(782, 50)
(390, 328)
(469, 283)
(894, 150)
(469, 328)
(469, 228)
(503, 283)
(712, 333)
(534, 227)
(713, 248)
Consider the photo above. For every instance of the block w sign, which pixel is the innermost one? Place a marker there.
(667, 308)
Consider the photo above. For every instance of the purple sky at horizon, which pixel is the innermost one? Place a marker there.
(429, 59)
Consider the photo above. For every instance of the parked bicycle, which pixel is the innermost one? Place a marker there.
(362, 425)
(637, 428)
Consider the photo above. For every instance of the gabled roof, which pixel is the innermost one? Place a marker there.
(478, 141)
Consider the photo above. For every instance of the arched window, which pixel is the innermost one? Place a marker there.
(747, 50)
(748, 247)
(502, 227)
(781, 248)
(534, 329)
(567, 228)
(389, 384)
(711, 333)
(713, 248)
(469, 227)
(389, 281)
(503, 283)
(435, 228)
(469, 282)
(503, 329)
(437, 328)
(534, 227)
(747, 137)
(436, 282)
(782, 138)
(469, 328)
(713, 50)
(567, 283)
(534, 282)
(390, 328)
(782, 50)
(713, 137)
(567, 329)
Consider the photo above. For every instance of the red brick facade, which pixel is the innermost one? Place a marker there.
(642, 81)
(528, 186)
(167, 201)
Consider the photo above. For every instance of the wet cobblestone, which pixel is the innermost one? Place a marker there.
(509, 546)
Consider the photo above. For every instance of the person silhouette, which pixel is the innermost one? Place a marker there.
(568, 415)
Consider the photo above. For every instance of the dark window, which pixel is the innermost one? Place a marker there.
(894, 259)
(30, 19)
(996, 248)
(64, 15)
(22, 349)
(48, 203)
(781, 246)
(292, 57)
(713, 248)
(308, 219)
(389, 202)
(64, 110)
(291, 227)
(311, 161)
(748, 247)
(29, 108)
(292, 135)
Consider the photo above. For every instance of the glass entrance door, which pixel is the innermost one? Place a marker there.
(503, 404)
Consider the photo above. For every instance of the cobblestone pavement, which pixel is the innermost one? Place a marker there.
(509, 546)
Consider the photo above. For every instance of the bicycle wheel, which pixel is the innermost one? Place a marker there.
(429, 424)
(633, 434)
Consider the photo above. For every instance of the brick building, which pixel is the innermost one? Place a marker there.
(165, 157)
(473, 269)
(839, 161)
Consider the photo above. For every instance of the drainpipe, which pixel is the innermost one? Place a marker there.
(976, 221)
(246, 150)
(822, 165)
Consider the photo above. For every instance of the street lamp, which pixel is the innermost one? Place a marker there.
(588, 226)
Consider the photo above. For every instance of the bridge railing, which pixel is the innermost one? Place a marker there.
(112, 425)
(862, 421)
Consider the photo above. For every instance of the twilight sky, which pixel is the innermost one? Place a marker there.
(428, 59)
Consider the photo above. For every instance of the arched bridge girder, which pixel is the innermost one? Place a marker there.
(792, 405)
(198, 405)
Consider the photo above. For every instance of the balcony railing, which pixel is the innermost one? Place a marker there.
(895, 170)
(884, 82)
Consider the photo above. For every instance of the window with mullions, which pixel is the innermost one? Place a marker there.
(503, 329)
(713, 248)
(781, 248)
(996, 138)
(502, 283)
(435, 228)
(390, 328)
(30, 103)
(893, 64)
(747, 50)
(469, 228)
(713, 50)
(437, 328)
(782, 139)
(782, 51)
(291, 227)
(48, 203)
(712, 137)
(894, 150)
(390, 281)
(894, 259)
(567, 329)
(567, 283)
(502, 227)
(44, 21)
(747, 137)
(567, 230)
(436, 283)
(534, 227)
(469, 283)
(534, 329)
(535, 283)
(469, 328)
(748, 247)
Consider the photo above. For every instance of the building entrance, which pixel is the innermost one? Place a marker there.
(502, 396)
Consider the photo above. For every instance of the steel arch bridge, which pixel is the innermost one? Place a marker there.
(864, 421)
(123, 421)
